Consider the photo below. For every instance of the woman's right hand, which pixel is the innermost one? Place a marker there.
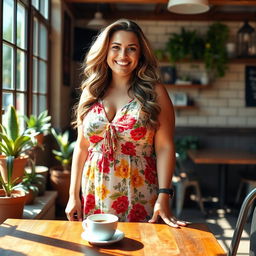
(74, 210)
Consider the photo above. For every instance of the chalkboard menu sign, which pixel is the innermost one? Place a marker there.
(250, 86)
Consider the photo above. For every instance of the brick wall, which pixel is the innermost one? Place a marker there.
(223, 103)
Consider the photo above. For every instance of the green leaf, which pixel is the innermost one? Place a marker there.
(12, 126)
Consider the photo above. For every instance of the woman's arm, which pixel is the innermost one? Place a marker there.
(165, 156)
(79, 156)
(74, 209)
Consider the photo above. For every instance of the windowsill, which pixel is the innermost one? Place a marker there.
(42, 208)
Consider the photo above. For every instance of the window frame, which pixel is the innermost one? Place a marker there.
(31, 12)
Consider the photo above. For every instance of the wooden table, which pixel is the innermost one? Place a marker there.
(222, 158)
(55, 237)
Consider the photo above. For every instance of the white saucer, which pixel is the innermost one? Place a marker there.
(119, 235)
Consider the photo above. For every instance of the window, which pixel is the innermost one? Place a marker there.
(25, 61)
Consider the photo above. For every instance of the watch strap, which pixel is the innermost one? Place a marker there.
(169, 191)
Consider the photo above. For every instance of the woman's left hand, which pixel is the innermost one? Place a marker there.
(162, 209)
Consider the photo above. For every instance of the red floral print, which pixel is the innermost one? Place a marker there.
(151, 162)
(137, 213)
(95, 138)
(125, 122)
(150, 175)
(97, 108)
(98, 211)
(89, 203)
(128, 149)
(138, 133)
(103, 165)
(120, 204)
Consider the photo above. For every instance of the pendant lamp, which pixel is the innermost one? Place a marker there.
(97, 22)
(188, 6)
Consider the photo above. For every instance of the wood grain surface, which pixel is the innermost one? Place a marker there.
(55, 237)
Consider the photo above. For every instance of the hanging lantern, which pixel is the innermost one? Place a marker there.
(246, 41)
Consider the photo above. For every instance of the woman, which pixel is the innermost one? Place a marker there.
(124, 155)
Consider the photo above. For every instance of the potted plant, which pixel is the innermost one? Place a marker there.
(13, 143)
(11, 200)
(60, 175)
(32, 183)
(185, 45)
(215, 53)
(38, 126)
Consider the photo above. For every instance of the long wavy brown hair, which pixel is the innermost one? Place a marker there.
(97, 74)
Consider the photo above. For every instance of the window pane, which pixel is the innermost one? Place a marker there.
(21, 70)
(43, 42)
(20, 106)
(35, 3)
(42, 77)
(7, 100)
(35, 75)
(21, 26)
(7, 67)
(44, 8)
(34, 107)
(8, 20)
(35, 37)
(20, 103)
(42, 103)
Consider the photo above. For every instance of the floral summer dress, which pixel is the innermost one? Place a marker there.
(119, 175)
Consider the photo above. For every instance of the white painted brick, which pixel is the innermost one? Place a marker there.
(218, 103)
(209, 94)
(236, 68)
(157, 30)
(181, 121)
(217, 121)
(227, 94)
(247, 112)
(198, 121)
(236, 102)
(235, 85)
(251, 121)
(240, 94)
(227, 111)
(237, 121)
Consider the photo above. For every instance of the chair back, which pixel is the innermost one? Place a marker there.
(253, 235)
(243, 214)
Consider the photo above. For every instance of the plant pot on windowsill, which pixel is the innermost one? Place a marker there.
(60, 175)
(13, 143)
(60, 181)
(12, 200)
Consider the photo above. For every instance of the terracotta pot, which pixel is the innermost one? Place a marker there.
(12, 207)
(40, 138)
(18, 168)
(60, 181)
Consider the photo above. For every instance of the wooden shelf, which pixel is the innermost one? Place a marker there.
(231, 61)
(185, 107)
(187, 86)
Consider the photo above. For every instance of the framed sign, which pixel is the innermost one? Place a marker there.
(168, 74)
(250, 86)
(179, 98)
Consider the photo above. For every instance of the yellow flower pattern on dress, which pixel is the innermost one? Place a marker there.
(102, 192)
(123, 170)
(119, 175)
(136, 179)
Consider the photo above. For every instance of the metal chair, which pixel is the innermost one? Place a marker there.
(243, 214)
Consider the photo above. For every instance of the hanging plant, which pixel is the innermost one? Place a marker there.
(215, 53)
(185, 45)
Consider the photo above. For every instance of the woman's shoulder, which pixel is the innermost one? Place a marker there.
(160, 90)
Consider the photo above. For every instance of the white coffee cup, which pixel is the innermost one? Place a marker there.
(100, 227)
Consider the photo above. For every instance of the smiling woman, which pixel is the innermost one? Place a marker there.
(124, 156)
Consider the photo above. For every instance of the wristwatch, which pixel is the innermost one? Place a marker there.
(169, 191)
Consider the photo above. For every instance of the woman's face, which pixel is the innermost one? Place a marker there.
(123, 53)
